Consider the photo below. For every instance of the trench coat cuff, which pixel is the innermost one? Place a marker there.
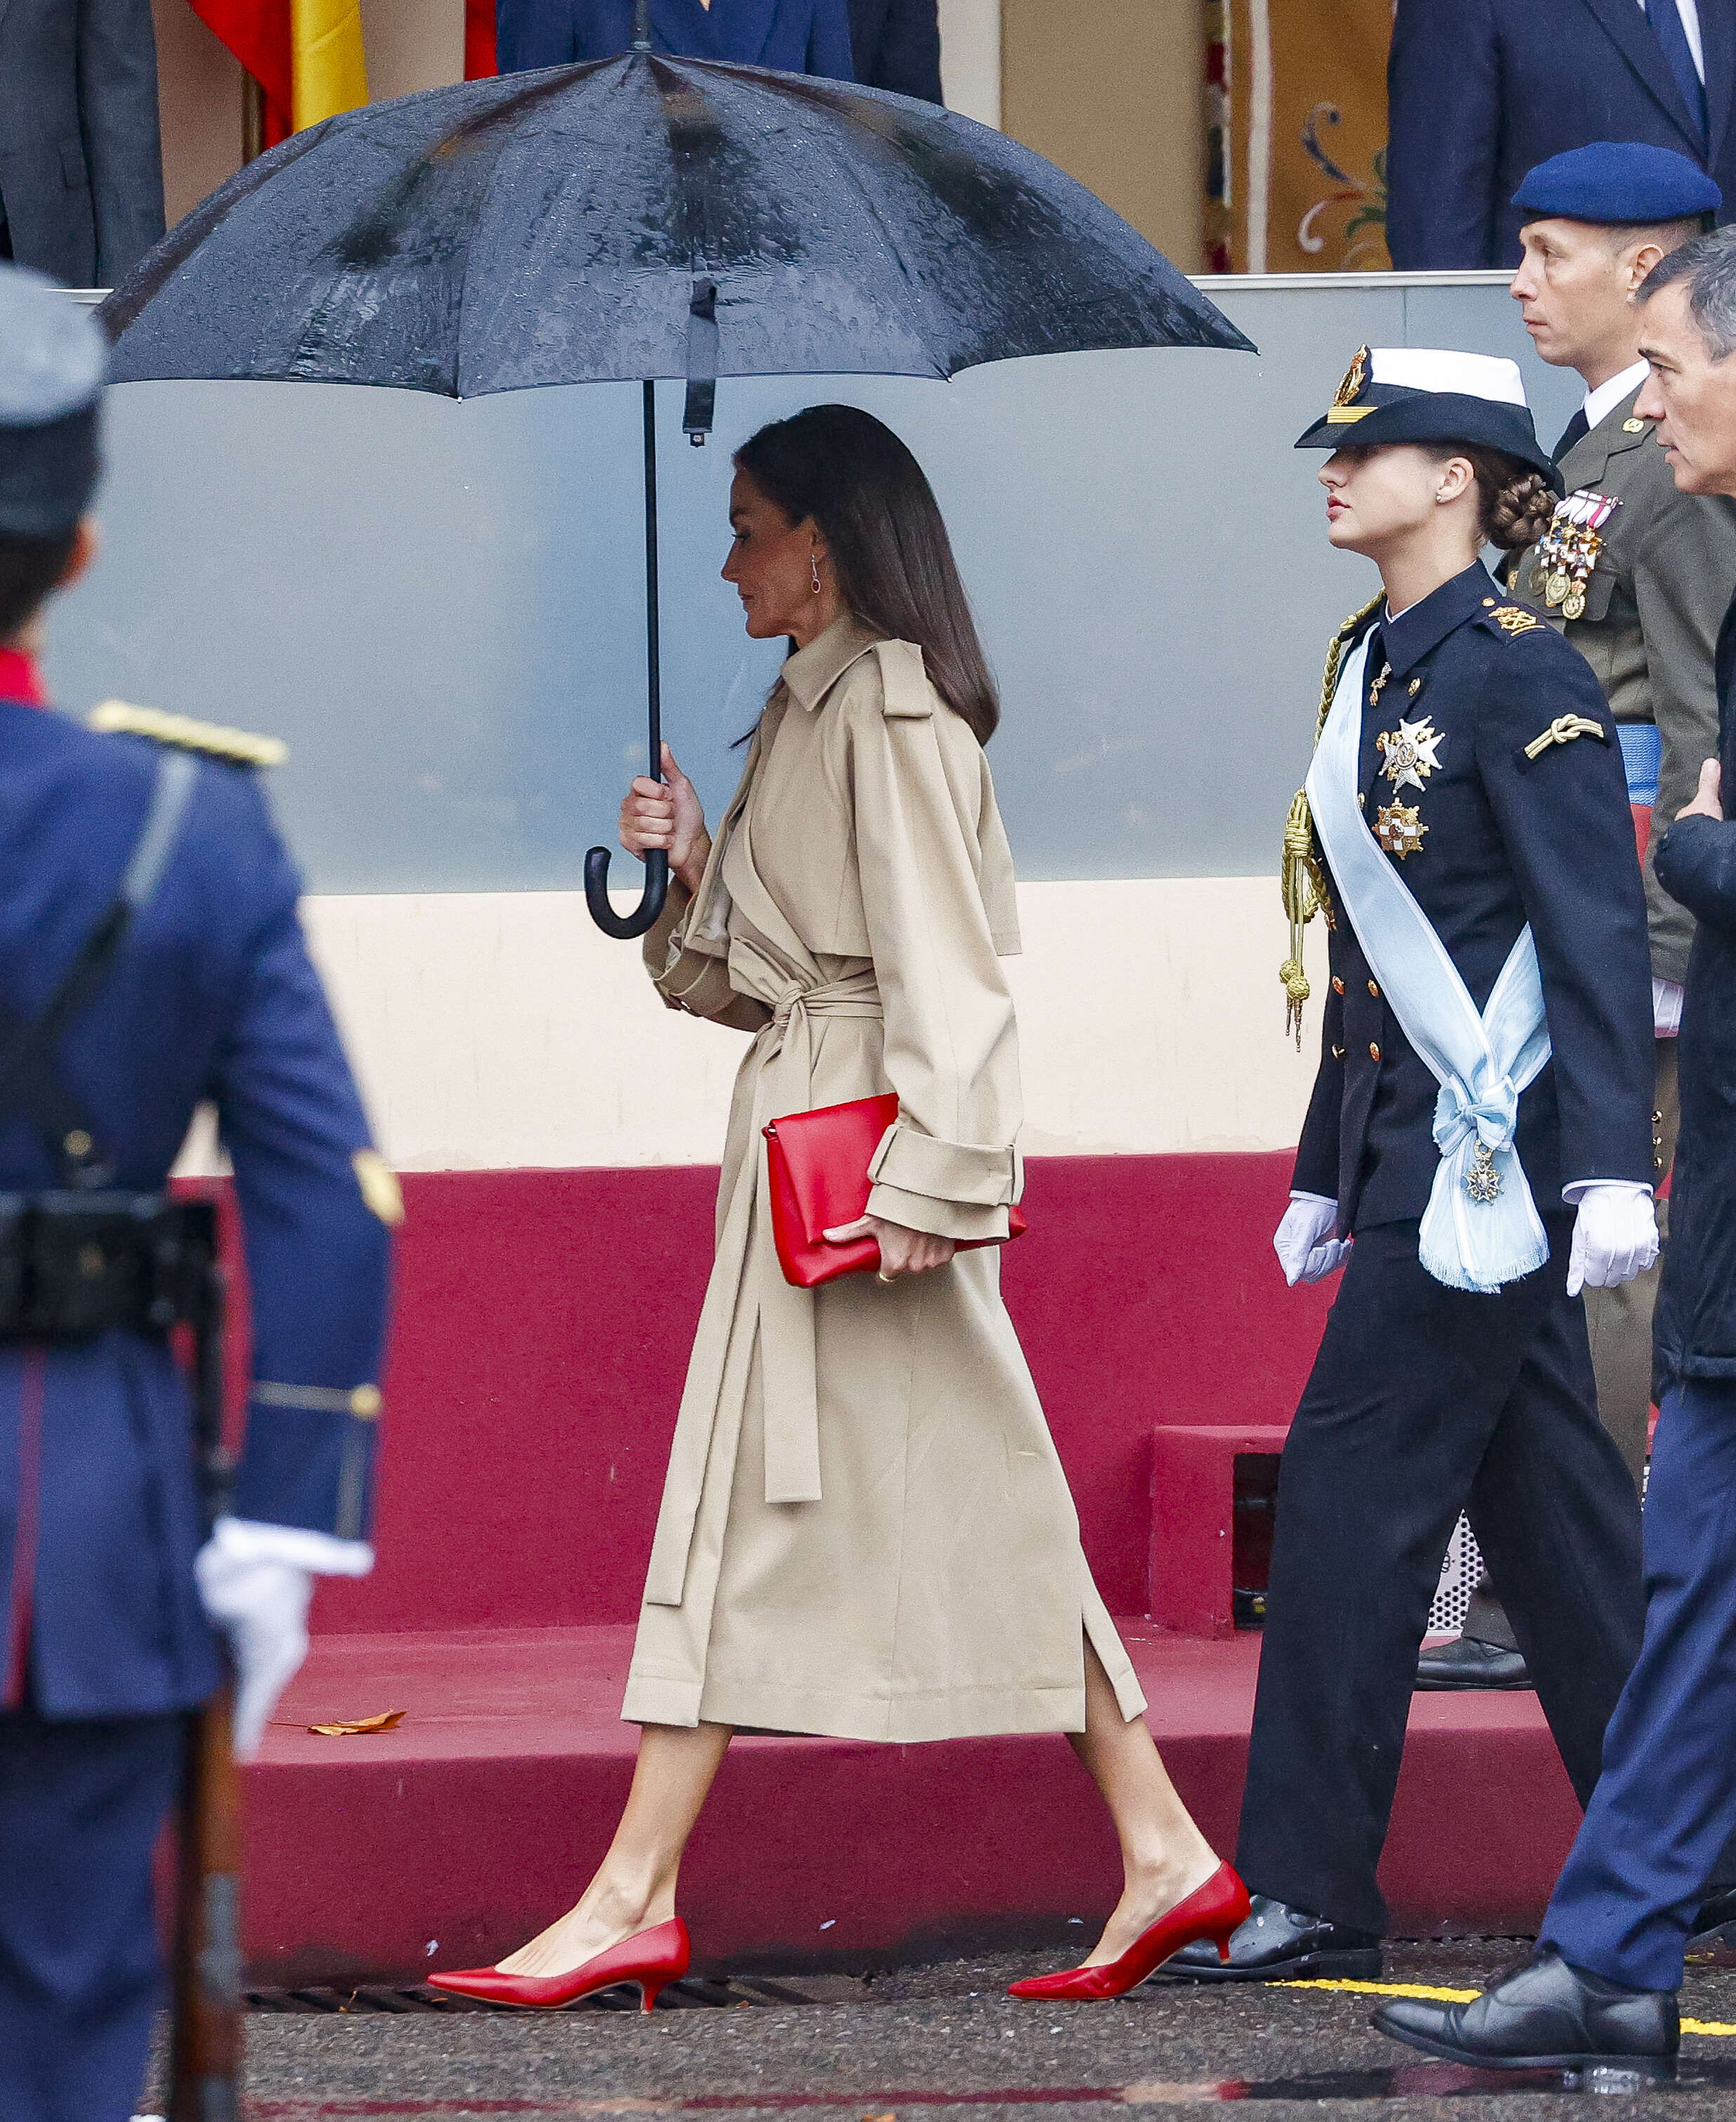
(940, 1219)
(650, 1698)
(972, 1175)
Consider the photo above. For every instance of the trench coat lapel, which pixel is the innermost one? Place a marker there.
(1634, 37)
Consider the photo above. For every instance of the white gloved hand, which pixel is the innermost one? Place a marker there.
(1304, 1241)
(1615, 1234)
(260, 1604)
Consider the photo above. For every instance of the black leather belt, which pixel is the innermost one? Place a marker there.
(73, 1265)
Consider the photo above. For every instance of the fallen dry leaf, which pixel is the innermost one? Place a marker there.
(359, 1727)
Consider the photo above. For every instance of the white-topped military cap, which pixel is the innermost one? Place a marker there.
(53, 361)
(1414, 394)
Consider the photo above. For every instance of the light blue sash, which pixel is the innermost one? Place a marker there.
(1481, 1062)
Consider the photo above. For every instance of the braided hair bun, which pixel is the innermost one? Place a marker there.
(1518, 512)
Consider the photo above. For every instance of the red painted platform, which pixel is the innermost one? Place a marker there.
(481, 1817)
(543, 1326)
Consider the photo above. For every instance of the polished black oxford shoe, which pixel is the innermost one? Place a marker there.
(1278, 1943)
(1469, 1661)
(1545, 2015)
(1716, 1918)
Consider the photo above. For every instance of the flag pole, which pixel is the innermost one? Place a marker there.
(253, 118)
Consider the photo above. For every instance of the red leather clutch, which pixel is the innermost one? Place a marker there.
(818, 1164)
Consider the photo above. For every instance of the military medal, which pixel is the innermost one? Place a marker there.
(1399, 829)
(1567, 551)
(1412, 752)
(1482, 1181)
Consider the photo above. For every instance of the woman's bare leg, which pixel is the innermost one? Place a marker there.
(1163, 1856)
(635, 1885)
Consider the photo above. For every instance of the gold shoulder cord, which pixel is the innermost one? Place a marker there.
(1301, 878)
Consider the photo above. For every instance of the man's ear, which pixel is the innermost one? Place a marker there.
(86, 545)
(1640, 263)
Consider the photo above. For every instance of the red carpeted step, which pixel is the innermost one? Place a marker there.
(445, 1842)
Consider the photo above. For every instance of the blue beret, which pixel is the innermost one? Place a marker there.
(53, 361)
(1617, 181)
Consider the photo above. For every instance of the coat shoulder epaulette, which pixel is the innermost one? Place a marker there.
(1515, 619)
(210, 740)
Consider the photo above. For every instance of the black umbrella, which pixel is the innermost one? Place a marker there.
(637, 218)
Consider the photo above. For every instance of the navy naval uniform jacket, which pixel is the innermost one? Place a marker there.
(794, 36)
(211, 997)
(1425, 1400)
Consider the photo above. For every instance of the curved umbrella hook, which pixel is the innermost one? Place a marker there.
(644, 915)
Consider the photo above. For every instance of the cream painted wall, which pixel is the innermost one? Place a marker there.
(1112, 90)
(496, 1030)
(411, 44)
(970, 57)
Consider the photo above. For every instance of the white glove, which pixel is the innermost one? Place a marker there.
(1615, 1234)
(254, 1582)
(1304, 1241)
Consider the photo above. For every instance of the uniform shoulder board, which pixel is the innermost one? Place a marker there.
(238, 747)
(1514, 618)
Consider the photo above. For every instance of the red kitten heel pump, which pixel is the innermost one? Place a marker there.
(649, 1959)
(1215, 1910)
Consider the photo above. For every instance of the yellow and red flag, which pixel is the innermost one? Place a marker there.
(306, 55)
(479, 54)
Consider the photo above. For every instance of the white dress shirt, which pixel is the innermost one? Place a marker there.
(1601, 403)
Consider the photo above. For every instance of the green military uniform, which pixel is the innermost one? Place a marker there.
(1653, 602)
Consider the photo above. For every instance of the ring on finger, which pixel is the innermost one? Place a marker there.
(881, 1275)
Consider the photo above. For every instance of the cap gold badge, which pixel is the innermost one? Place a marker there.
(379, 1184)
(1344, 410)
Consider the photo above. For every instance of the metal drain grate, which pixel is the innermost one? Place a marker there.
(693, 1993)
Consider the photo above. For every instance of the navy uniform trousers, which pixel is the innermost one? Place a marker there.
(81, 1804)
(1424, 1401)
(1656, 1827)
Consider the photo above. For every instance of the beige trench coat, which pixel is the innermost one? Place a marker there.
(866, 1531)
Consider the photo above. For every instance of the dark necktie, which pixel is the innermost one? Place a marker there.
(1665, 18)
(1575, 431)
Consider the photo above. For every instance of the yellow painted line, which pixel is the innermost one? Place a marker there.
(1389, 1990)
(1717, 2027)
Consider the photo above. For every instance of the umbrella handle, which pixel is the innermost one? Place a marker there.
(626, 926)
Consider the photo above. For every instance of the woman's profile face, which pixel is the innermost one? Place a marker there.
(1373, 496)
(771, 563)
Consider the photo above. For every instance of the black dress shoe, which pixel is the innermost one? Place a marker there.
(1546, 2016)
(1278, 1943)
(1715, 1911)
(1468, 1662)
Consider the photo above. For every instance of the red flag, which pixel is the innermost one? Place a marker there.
(479, 54)
(257, 31)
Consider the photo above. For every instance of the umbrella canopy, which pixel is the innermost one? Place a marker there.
(638, 218)
(644, 216)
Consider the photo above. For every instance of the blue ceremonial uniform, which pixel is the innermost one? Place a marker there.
(794, 36)
(1425, 1398)
(210, 997)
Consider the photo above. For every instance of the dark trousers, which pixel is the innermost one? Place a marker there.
(1655, 1829)
(1424, 1401)
(81, 1807)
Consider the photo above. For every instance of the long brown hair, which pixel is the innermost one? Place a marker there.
(871, 503)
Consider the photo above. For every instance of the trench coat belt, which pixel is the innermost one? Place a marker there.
(755, 1295)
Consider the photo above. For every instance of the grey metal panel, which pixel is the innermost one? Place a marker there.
(439, 605)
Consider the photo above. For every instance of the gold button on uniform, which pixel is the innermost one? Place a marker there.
(1337, 984)
(1373, 1051)
(1374, 990)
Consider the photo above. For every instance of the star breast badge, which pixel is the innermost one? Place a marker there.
(1399, 829)
(1412, 752)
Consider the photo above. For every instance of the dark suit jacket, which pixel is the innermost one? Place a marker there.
(1696, 862)
(897, 44)
(1479, 91)
(81, 160)
(1507, 840)
(795, 36)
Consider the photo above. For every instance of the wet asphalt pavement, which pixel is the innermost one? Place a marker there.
(945, 2041)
